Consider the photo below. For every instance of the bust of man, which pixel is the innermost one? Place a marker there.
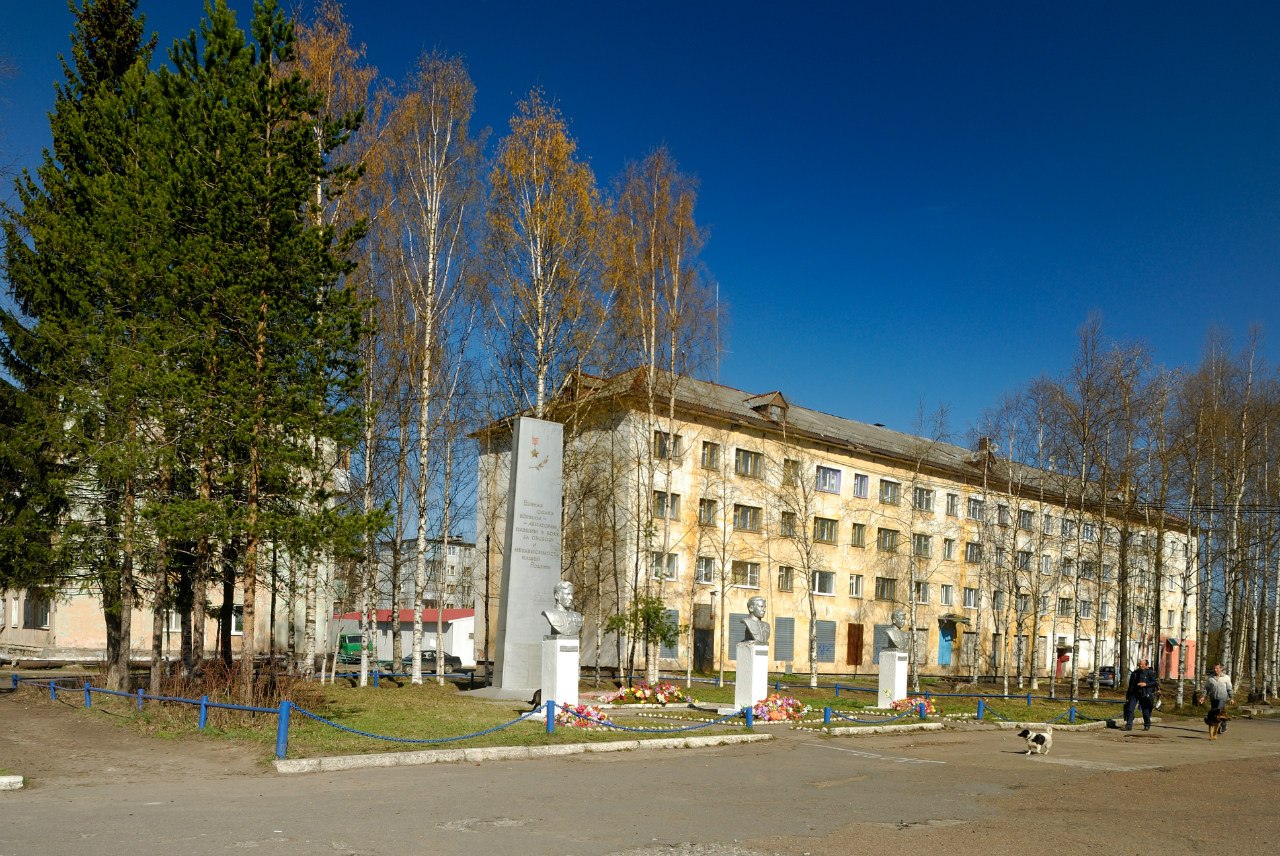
(897, 639)
(756, 627)
(563, 619)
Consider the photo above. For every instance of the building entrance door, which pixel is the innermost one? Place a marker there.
(703, 650)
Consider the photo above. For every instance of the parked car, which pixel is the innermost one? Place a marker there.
(452, 662)
(349, 648)
(1106, 677)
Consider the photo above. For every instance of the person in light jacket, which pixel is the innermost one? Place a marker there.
(1218, 691)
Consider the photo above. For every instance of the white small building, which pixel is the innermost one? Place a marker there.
(459, 632)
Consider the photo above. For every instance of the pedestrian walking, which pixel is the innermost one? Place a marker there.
(1143, 683)
(1218, 692)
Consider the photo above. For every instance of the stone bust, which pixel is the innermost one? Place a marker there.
(896, 638)
(563, 619)
(757, 629)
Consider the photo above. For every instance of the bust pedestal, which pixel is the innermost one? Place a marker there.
(560, 669)
(893, 677)
(752, 663)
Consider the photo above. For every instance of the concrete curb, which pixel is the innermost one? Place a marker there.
(860, 730)
(500, 753)
(10, 783)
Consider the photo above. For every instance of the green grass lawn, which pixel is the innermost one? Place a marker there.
(430, 712)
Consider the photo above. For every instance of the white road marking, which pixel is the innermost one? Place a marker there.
(896, 759)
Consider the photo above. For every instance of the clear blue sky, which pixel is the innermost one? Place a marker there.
(909, 204)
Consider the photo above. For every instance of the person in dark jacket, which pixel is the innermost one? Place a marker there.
(1143, 684)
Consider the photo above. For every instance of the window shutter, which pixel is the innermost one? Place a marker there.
(784, 639)
(737, 633)
(879, 641)
(673, 617)
(825, 631)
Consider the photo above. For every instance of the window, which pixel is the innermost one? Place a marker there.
(662, 566)
(1000, 556)
(1026, 519)
(947, 595)
(922, 499)
(953, 505)
(1089, 532)
(855, 585)
(970, 598)
(1046, 564)
(35, 612)
(745, 574)
(707, 511)
(1002, 514)
(237, 620)
(948, 548)
(997, 601)
(1104, 611)
(1168, 618)
(922, 546)
(1042, 604)
(1088, 569)
(747, 463)
(1024, 560)
(828, 480)
(973, 552)
(886, 588)
(790, 471)
(746, 518)
(887, 540)
(1086, 608)
(973, 509)
(787, 524)
(705, 570)
(861, 485)
(859, 535)
(824, 530)
(920, 591)
(666, 505)
(786, 577)
(1046, 524)
(824, 582)
(710, 455)
(1068, 528)
(1068, 567)
(1108, 572)
(1024, 603)
(666, 446)
(1064, 606)
(890, 492)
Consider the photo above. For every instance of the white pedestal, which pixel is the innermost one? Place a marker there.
(752, 663)
(560, 669)
(893, 677)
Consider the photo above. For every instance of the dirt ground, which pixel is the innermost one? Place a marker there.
(960, 792)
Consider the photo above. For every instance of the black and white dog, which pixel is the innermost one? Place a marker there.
(1038, 742)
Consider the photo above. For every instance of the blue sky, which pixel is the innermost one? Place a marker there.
(910, 205)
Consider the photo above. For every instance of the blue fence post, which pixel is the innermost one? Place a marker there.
(1028, 699)
(88, 702)
(981, 708)
(1071, 714)
(53, 690)
(826, 716)
(375, 676)
(750, 715)
(837, 691)
(204, 711)
(549, 710)
(139, 698)
(282, 729)
(927, 697)
(15, 680)
(920, 707)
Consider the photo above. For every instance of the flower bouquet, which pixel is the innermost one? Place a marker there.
(660, 694)
(913, 703)
(581, 716)
(777, 708)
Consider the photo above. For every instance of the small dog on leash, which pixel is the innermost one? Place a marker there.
(1038, 742)
(1216, 719)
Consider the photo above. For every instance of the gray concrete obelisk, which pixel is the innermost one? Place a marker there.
(531, 552)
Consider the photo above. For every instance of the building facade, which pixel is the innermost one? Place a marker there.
(706, 496)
